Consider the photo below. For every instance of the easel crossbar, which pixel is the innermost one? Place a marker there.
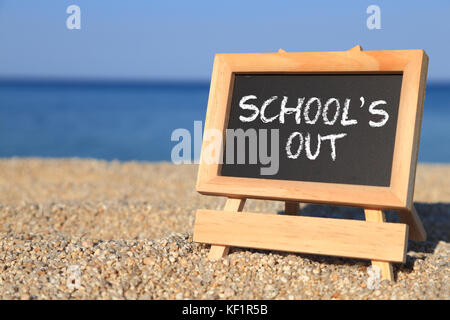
(324, 236)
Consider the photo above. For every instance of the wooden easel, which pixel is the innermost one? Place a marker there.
(417, 231)
(374, 239)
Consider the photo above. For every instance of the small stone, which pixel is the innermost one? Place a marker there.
(179, 296)
(228, 292)
(87, 243)
(335, 295)
(101, 208)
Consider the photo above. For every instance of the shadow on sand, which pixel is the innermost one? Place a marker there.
(435, 217)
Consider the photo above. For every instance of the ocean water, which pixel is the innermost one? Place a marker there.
(134, 121)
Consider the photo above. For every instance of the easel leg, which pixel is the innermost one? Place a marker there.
(217, 251)
(291, 208)
(385, 267)
(411, 218)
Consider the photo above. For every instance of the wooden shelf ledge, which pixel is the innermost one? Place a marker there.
(325, 236)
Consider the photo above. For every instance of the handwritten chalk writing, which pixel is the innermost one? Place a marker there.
(263, 110)
(362, 101)
(336, 113)
(245, 106)
(313, 102)
(311, 113)
(308, 147)
(289, 143)
(331, 137)
(345, 121)
(380, 112)
(298, 109)
(308, 105)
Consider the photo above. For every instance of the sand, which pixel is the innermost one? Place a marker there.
(90, 229)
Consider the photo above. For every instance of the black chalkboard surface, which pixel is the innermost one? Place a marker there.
(354, 114)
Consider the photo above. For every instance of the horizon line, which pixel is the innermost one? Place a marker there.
(133, 81)
(100, 81)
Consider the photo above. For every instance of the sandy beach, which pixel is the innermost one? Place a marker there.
(90, 229)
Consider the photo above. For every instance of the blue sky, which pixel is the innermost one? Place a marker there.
(137, 39)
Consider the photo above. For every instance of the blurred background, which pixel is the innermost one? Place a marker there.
(136, 70)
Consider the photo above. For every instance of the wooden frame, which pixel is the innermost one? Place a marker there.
(399, 195)
(374, 239)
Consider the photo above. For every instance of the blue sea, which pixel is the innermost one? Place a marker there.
(135, 120)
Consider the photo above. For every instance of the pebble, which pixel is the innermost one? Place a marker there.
(87, 243)
(179, 296)
(228, 292)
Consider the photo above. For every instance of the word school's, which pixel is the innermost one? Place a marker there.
(310, 111)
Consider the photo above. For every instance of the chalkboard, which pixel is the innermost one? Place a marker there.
(339, 128)
(354, 114)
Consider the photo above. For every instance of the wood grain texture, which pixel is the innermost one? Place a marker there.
(408, 128)
(416, 229)
(411, 63)
(326, 236)
(217, 251)
(386, 269)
